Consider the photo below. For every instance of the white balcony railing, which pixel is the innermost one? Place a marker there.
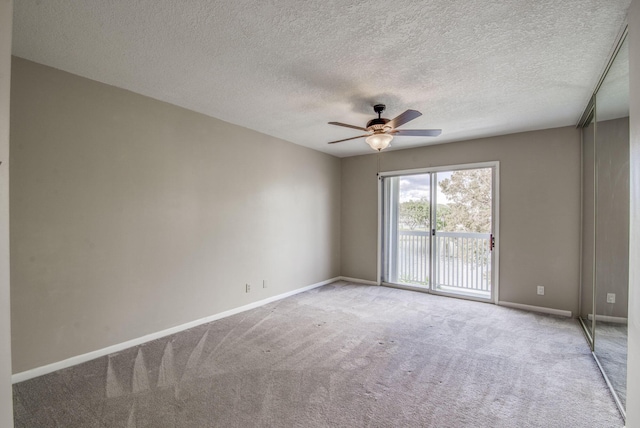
(413, 257)
(462, 260)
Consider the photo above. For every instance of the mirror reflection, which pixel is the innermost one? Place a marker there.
(612, 223)
(588, 229)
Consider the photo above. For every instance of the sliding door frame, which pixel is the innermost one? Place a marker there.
(495, 212)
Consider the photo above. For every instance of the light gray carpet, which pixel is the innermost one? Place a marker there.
(339, 356)
(611, 349)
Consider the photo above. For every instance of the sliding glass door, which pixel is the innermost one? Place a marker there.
(438, 231)
(463, 239)
(407, 210)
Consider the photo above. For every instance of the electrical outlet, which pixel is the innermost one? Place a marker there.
(248, 287)
(264, 283)
(611, 297)
(541, 290)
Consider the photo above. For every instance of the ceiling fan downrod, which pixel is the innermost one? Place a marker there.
(377, 125)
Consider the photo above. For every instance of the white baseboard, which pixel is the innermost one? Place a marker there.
(79, 359)
(541, 309)
(359, 281)
(607, 318)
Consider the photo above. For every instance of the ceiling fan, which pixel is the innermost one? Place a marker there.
(380, 131)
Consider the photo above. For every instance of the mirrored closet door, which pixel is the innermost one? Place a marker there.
(605, 223)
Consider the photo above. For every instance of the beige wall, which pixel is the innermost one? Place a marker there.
(539, 210)
(130, 216)
(6, 403)
(633, 356)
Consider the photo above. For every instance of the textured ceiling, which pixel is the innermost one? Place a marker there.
(285, 68)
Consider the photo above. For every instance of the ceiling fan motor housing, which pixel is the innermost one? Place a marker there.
(378, 124)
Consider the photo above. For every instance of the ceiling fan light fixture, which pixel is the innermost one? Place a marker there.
(379, 141)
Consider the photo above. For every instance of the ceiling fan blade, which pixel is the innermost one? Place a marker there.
(347, 139)
(347, 126)
(404, 118)
(417, 132)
